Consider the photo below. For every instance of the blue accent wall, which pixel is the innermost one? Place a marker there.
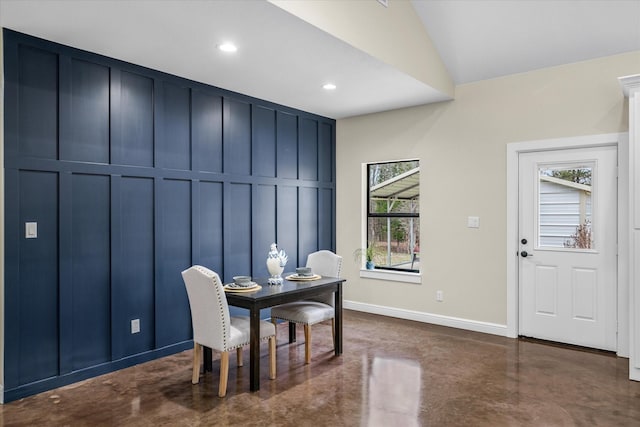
(133, 175)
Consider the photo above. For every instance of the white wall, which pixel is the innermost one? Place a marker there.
(461, 146)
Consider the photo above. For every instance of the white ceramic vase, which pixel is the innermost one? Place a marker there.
(275, 270)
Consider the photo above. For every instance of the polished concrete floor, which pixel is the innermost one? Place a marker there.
(393, 373)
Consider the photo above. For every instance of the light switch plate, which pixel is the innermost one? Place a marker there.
(31, 230)
(473, 222)
(135, 326)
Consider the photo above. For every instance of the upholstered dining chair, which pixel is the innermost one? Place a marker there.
(316, 310)
(213, 326)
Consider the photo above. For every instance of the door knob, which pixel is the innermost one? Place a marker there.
(525, 254)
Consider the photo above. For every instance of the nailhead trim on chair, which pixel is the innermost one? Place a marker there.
(225, 327)
(247, 343)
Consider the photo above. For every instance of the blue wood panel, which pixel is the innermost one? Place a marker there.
(287, 223)
(174, 150)
(287, 151)
(264, 141)
(308, 149)
(65, 271)
(38, 285)
(308, 220)
(136, 114)
(206, 131)
(87, 138)
(237, 230)
(13, 233)
(326, 153)
(173, 318)
(237, 137)
(264, 227)
(325, 219)
(136, 260)
(91, 270)
(210, 230)
(37, 103)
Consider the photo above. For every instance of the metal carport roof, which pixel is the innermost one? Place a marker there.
(402, 187)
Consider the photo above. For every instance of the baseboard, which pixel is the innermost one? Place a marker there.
(1, 394)
(436, 319)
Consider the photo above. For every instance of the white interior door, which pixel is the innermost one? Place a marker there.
(568, 246)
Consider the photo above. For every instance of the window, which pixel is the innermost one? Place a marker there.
(393, 218)
(564, 206)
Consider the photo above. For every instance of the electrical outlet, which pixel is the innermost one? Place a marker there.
(135, 326)
(439, 296)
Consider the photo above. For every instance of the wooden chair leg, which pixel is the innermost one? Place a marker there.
(224, 373)
(239, 356)
(272, 358)
(197, 352)
(307, 343)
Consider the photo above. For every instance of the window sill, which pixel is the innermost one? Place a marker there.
(392, 276)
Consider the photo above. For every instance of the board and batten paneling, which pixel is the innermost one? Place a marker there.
(206, 131)
(37, 110)
(90, 270)
(31, 302)
(84, 113)
(173, 127)
(133, 96)
(208, 234)
(134, 283)
(133, 175)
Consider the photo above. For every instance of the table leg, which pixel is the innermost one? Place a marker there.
(292, 332)
(207, 356)
(254, 350)
(338, 319)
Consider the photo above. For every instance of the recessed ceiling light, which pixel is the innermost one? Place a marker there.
(329, 86)
(227, 47)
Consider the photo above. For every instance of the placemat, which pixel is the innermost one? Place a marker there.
(303, 278)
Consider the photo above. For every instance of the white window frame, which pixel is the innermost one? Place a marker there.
(386, 275)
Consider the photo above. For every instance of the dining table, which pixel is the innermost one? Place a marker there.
(269, 295)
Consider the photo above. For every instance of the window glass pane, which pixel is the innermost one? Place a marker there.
(395, 242)
(394, 187)
(564, 206)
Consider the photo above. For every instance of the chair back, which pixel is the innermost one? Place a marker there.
(325, 263)
(209, 310)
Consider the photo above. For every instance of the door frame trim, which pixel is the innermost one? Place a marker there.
(621, 141)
